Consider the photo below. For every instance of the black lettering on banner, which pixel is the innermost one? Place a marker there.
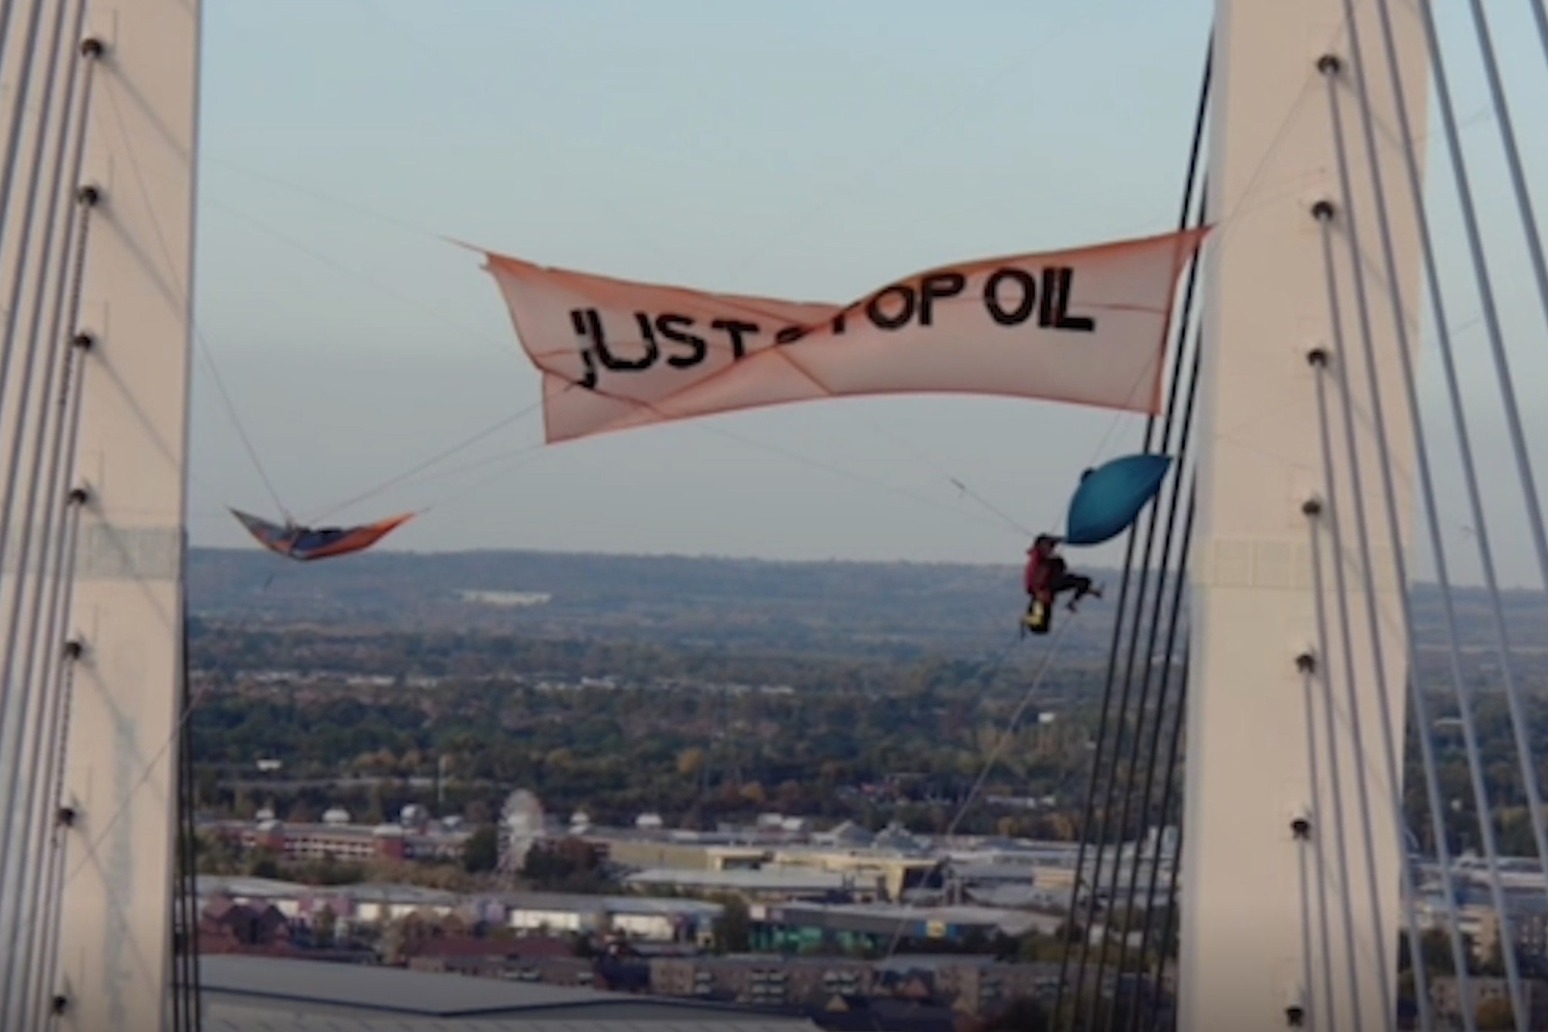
(648, 335)
(610, 361)
(882, 321)
(790, 334)
(1062, 317)
(588, 380)
(735, 328)
(671, 326)
(937, 287)
(1026, 283)
(1045, 308)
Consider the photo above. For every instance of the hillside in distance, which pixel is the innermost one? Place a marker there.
(857, 610)
(849, 609)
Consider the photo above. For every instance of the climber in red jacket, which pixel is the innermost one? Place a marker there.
(1046, 577)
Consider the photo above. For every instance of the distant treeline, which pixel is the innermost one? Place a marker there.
(895, 611)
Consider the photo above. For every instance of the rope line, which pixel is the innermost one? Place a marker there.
(1006, 736)
(433, 460)
(1015, 719)
(198, 332)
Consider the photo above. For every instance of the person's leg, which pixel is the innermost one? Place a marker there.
(1072, 582)
(1080, 585)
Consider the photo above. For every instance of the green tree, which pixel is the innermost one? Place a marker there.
(1023, 1015)
(1434, 948)
(1493, 963)
(1495, 1014)
(481, 852)
(263, 864)
(690, 761)
(733, 928)
(1035, 948)
(325, 925)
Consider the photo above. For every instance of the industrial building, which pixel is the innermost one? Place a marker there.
(258, 994)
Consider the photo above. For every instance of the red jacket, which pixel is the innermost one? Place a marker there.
(1036, 577)
(1044, 568)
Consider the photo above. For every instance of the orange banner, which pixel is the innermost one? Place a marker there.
(1086, 326)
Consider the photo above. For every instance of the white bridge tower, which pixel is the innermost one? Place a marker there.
(105, 95)
(1290, 899)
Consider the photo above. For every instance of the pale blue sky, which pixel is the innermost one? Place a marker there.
(797, 149)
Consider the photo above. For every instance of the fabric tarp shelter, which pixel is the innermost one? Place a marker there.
(308, 543)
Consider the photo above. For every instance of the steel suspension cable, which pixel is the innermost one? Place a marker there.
(185, 945)
(1393, 768)
(1137, 739)
(1524, 207)
(45, 922)
(1174, 747)
(1469, 470)
(1334, 520)
(1313, 835)
(22, 264)
(55, 504)
(1191, 175)
(1490, 313)
(1111, 778)
(22, 698)
(1160, 823)
(56, 230)
(1400, 327)
(18, 116)
(1314, 510)
(5, 31)
(1540, 17)
(43, 793)
(59, 660)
